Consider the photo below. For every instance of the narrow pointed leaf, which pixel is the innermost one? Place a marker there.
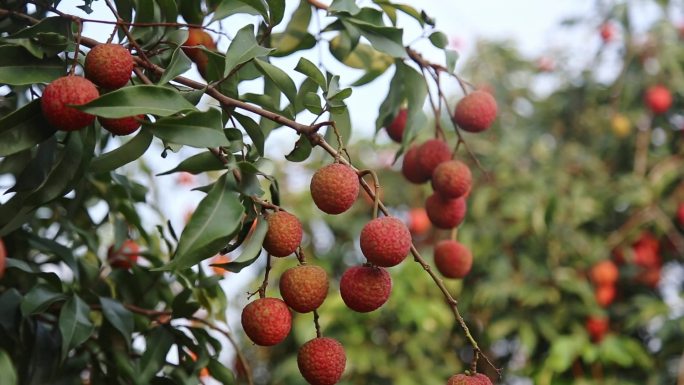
(135, 100)
(74, 324)
(23, 129)
(126, 153)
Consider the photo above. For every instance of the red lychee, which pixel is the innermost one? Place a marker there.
(604, 273)
(658, 99)
(385, 241)
(304, 288)
(365, 288)
(431, 154)
(334, 188)
(63, 91)
(445, 213)
(453, 259)
(321, 361)
(467, 379)
(607, 31)
(419, 223)
(605, 295)
(121, 126)
(3, 258)
(476, 111)
(680, 214)
(125, 256)
(411, 169)
(647, 250)
(597, 327)
(109, 66)
(267, 321)
(395, 129)
(452, 179)
(284, 234)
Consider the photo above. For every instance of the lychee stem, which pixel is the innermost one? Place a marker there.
(300, 256)
(317, 324)
(376, 182)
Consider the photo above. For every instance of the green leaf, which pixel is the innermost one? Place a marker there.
(296, 36)
(117, 315)
(451, 58)
(309, 69)
(243, 48)
(18, 67)
(312, 102)
(124, 154)
(407, 9)
(231, 7)
(301, 150)
(213, 223)
(39, 298)
(135, 100)
(384, 39)
(343, 123)
(202, 162)
(345, 6)
(158, 345)
(415, 91)
(179, 64)
(23, 129)
(277, 11)
(47, 38)
(280, 78)
(253, 130)
(195, 129)
(8, 374)
(221, 373)
(74, 324)
(563, 352)
(612, 351)
(251, 249)
(439, 39)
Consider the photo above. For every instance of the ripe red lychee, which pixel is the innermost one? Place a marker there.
(304, 288)
(411, 169)
(452, 179)
(431, 154)
(385, 241)
(445, 213)
(125, 256)
(321, 361)
(284, 234)
(121, 126)
(365, 288)
(109, 66)
(597, 327)
(647, 250)
(604, 273)
(395, 129)
(419, 223)
(467, 379)
(680, 214)
(605, 295)
(63, 91)
(453, 259)
(476, 111)
(334, 188)
(3, 258)
(267, 321)
(607, 31)
(658, 99)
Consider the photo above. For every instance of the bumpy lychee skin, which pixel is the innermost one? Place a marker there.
(321, 361)
(411, 169)
(68, 90)
(284, 234)
(267, 321)
(431, 154)
(304, 288)
(476, 111)
(445, 213)
(334, 188)
(125, 256)
(365, 288)
(453, 259)
(452, 179)
(465, 379)
(385, 241)
(109, 66)
(658, 99)
(395, 129)
(121, 126)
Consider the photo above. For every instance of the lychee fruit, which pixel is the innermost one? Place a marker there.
(445, 213)
(607, 31)
(219, 259)
(395, 129)
(284, 234)
(198, 37)
(431, 154)
(109, 66)
(605, 295)
(680, 214)
(476, 111)
(121, 126)
(385, 241)
(411, 169)
(467, 379)
(365, 288)
(304, 288)
(604, 273)
(267, 321)
(321, 361)
(3, 258)
(658, 99)
(452, 179)
(334, 188)
(125, 256)
(597, 327)
(59, 94)
(453, 259)
(647, 251)
(418, 223)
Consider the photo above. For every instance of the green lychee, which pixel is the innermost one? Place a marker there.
(109, 66)
(284, 234)
(476, 111)
(445, 213)
(453, 259)
(365, 288)
(431, 154)
(452, 179)
(411, 169)
(266, 321)
(321, 361)
(62, 92)
(395, 129)
(304, 288)
(121, 126)
(385, 241)
(334, 188)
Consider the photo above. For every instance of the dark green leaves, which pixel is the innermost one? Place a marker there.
(39, 298)
(126, 153)
(134, 100)
(279, 78)
(306, 67)
(243, 48)
(47, 38)
(179, 64)
(74, 324)
(23, 129)
(158, 345)
(250, 250)
(204, 161)
(296, 36)
(18, 67)
(439, 39)
(196, 129)
(117, 315)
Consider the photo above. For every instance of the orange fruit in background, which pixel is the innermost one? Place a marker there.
(125, 256)
(219, 259)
